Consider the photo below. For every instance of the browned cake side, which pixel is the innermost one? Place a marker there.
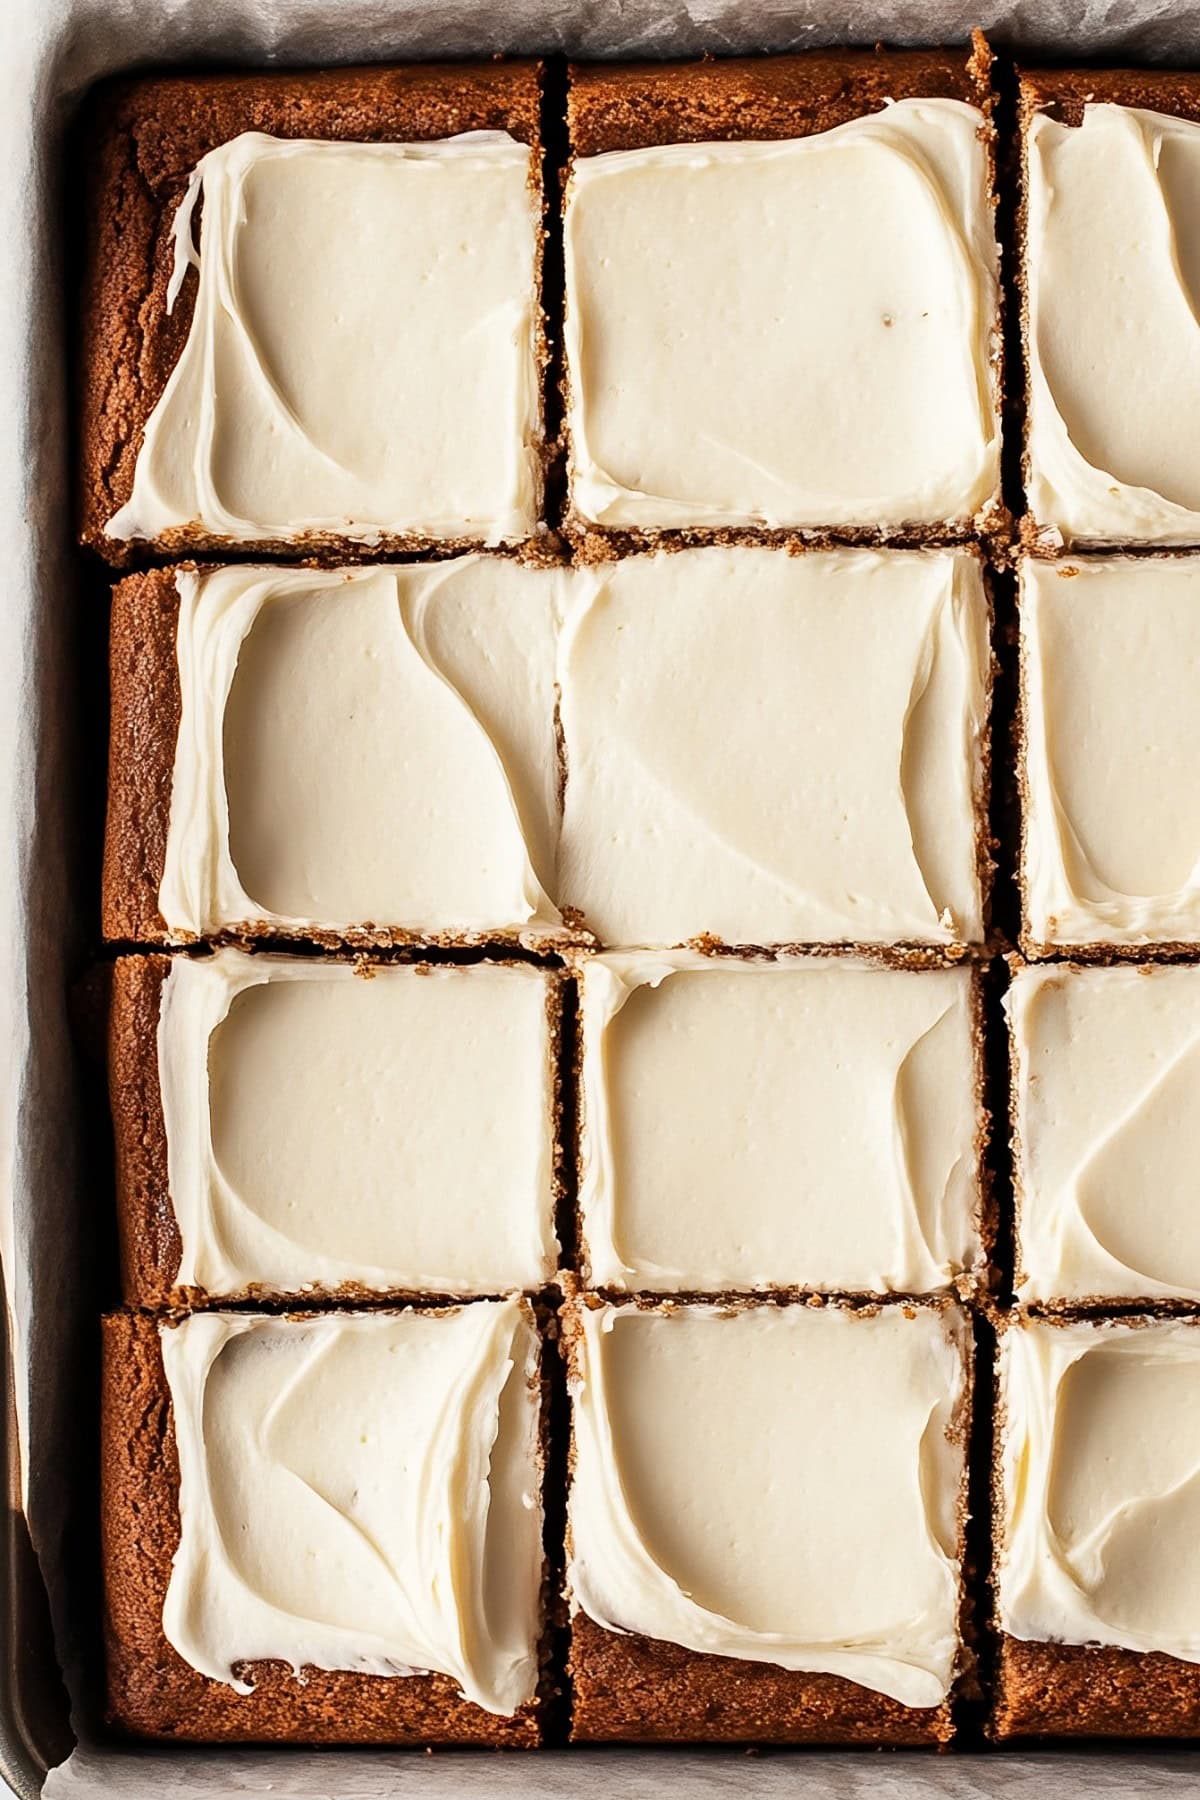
(152, 1692)
(147, 1225)
(633, 105)
(638, 1690)
(144, 138)
(143, 731)
(1093, 1690)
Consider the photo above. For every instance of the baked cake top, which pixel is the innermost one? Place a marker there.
(1110, 652)
(799, 332)
(363, 355)
(422, 1098)
(373, 745)
(812, 1122)
(1101, 1484)
(1112, 256)
(1106, 1074)
(359, 1491)
(774, 1484)
(713, 784)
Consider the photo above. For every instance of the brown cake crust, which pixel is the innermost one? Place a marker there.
(631, 106)
(148, 1228)
(633, 1689)
(639, 105)
(1092, 1690)
(152, 1691)
(144, 137)
(143, 730)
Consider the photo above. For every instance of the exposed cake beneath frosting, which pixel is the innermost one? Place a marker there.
(779, 1485)
(812, 1122)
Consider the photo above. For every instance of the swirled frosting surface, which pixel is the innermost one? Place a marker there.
(794, 333)
(1106, 1070)
(1101, 1472)
(391, 1128)
(361, 1492)
(362, 357)
(1111, 847)
(776, 1484)
(811, 1122)
(1112, 270)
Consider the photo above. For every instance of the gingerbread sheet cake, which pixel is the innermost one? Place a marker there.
(561, 1023)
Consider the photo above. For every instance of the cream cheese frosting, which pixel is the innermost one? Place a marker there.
(391, 1128)
(364, 748)
(777, 1484)
(812, 1122)
(1101, 1483)
(1106, 1071)
(359, 1492)
(794, 333)
(1112, 267)
(1111, 848)
(772, 749)
(363, 357)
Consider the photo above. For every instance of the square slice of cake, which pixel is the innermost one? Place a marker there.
(1110, 767)
(1106, 1133)
(810, 1122)
(362, 756)
(311, 311)
(1098, 1529)
(766, 748)
(324, 1528)
(766, 1516)
(782, 305)
(295, 1126)
(1110, 273)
